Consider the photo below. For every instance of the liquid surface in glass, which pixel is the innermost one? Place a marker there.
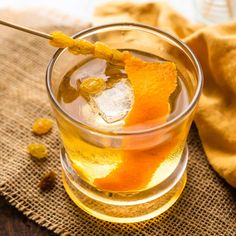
(117, 163)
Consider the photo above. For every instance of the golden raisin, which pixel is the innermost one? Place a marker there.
(117, 57)
(93, 85)
(41, 126)
(37, 150)
(81, 46)
(48, 181)
(61, 40)
(102, 51)
(109, 54)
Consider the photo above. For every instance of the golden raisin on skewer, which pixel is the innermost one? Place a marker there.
(81, 46)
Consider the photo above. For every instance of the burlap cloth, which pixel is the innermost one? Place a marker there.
(206, 207)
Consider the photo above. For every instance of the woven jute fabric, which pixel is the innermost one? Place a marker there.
(206, 207)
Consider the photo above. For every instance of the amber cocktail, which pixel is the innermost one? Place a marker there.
(113, 169)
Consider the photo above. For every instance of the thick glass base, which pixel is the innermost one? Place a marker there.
(124, 207)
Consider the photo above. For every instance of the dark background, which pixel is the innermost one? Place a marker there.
(14, 223)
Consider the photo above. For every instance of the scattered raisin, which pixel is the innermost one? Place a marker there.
(41, 126)
(37, 150)
(48, 181)
(93, 85)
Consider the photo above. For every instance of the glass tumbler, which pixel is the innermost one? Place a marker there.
(126, 175)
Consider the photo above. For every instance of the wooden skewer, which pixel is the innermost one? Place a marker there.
(111, 55)
(26, 29)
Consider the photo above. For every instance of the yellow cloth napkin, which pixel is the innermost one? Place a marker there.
(215, 47)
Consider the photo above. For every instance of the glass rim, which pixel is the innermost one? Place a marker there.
(136, 26)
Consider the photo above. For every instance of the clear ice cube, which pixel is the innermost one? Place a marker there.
(113, 104)
(98, 70)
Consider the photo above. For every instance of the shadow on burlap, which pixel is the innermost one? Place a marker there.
(206, 207)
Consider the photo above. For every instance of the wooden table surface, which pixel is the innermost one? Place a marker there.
(14, 223)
